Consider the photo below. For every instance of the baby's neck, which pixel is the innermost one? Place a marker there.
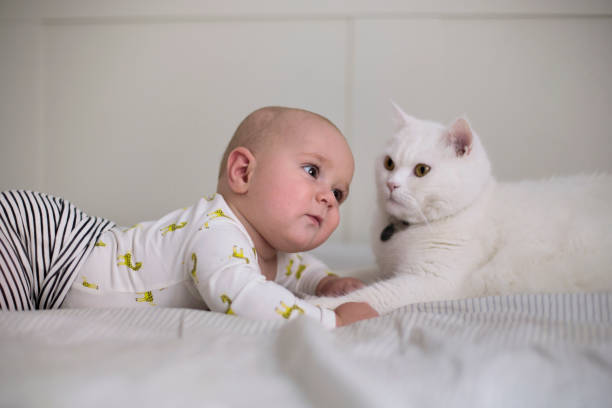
(268, 268)
(265, 252)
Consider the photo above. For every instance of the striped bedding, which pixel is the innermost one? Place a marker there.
(504, 351)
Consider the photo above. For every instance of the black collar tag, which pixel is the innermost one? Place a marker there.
(391, 229)
(386, 234)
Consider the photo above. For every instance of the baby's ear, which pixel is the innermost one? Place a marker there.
(240, 165)
(460, 136)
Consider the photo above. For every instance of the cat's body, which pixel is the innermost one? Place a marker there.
(481, 237)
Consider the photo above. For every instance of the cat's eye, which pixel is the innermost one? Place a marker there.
(389, 164)
(421, 169)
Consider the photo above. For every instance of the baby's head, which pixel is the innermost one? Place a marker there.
(285, 172)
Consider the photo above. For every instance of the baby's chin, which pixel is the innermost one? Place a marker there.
(292, 249)
(299, 244)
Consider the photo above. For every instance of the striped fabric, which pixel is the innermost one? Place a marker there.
(525, 350)
(540, 318)
(43, 242)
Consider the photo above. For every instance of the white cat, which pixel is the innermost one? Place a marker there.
(445, 229)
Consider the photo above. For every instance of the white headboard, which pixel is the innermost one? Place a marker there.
(124, 107)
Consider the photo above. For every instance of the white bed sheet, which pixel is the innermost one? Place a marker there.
(509, 351)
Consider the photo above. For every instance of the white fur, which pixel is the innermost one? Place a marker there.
(471, 236)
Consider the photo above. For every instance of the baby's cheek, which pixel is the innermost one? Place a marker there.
(334, 218)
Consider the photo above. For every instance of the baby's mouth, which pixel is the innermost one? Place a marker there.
(315, 219)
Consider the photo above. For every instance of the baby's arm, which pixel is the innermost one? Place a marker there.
(352, 312)
(333, 285)
(315, 279)
(261, 299)
(225, 271)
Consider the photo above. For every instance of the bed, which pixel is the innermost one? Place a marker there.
(504, 351)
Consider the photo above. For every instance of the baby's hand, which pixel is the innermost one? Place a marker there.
(352, 312)
(335, 286)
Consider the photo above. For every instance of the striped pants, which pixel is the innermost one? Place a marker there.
(43, 242)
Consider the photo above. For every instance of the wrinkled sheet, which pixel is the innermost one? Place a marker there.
(506, 351)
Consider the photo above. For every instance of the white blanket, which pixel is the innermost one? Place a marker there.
(511, 351)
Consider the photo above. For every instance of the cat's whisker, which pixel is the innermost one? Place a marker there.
(425, 220)
(416, 205)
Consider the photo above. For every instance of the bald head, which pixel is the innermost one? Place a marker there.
(263, 126)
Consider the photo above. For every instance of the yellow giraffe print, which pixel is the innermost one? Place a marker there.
(100, 244)
(210, 198)
(239, 254)
(147, 297)
(286, 313)
(194, 258)
(300, 269)
(127, 261)
(215, 214)
(173, 227)
(132, 227)
(89, 285)
(288, 273)
(226, 299)
(298, 273)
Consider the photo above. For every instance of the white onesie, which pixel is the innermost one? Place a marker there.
(197, 257)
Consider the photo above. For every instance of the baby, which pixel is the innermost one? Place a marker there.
(282, 179)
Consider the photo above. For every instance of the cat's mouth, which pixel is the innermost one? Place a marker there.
(394, 200)
(400, 208)
(394, 207)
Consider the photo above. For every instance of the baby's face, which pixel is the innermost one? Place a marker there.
(298, 185)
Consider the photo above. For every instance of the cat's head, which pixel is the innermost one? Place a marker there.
(429, 171)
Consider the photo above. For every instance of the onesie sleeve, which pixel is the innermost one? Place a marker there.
(301, 273)
(229, 279)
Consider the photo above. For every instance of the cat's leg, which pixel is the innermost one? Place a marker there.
(366, 274)
(398, 291)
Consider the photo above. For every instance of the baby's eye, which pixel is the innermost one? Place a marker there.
(311, 170)
(339, 195)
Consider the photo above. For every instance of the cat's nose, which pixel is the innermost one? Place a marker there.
(392, 186)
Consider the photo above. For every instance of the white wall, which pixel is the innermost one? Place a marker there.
(124, 107)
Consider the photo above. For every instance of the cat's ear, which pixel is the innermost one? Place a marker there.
(460, 136)
(401, 118)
